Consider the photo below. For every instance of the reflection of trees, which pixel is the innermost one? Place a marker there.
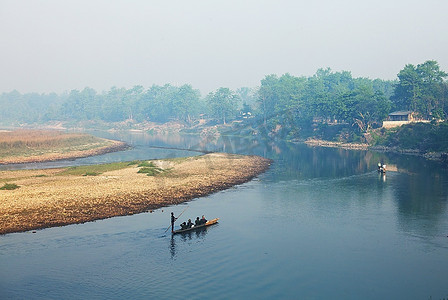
(292, 160)
(421, 200)
(420, 192)
(298, 161)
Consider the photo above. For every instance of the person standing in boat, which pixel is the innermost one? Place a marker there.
(173, 219)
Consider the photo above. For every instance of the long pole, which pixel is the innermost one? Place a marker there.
(177, 218)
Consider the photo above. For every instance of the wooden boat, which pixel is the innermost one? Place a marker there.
(211, 222)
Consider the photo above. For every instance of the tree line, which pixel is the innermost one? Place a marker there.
(294, 104)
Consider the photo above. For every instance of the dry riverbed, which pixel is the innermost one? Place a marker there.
(55, 197)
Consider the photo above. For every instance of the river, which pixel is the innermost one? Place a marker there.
(320, 223)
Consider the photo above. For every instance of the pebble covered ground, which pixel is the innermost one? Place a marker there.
(46, 198)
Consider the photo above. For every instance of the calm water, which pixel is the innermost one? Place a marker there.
(321, 223)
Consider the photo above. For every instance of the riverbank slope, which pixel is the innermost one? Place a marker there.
(55, 197)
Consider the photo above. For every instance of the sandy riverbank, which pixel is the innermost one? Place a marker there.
(112, 146)
(331, 144)
(48, 198)
(30, 146)
(437, 156)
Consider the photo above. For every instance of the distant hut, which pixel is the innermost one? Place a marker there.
(399, 118)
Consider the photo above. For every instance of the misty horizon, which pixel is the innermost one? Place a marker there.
(54, 46)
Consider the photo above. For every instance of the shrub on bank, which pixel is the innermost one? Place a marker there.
(9, 186)
(150, 171)
(425, 137)
(148, 164)
(91, 174)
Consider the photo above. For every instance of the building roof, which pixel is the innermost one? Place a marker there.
(400, 113)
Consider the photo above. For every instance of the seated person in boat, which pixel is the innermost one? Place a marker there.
(183, 226)
(197, 222)
(189, 223)
(203, 220)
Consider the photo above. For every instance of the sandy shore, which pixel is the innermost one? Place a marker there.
(111, 147)
(330, 144)
(46, 198)
(437, 156)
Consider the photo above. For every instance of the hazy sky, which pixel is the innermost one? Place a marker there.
(58, 45)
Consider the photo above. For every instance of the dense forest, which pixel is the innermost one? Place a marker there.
(289, 106)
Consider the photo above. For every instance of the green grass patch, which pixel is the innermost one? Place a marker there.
(148, 164)
(40, 175)
(150, 171)
(91, 174)
(147, 167)
(9, 186)
(94, 169)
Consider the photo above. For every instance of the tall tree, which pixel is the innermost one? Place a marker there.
(222, 104)
(268, 95)
(420, 88)
(248, 98)
(368, 107)
(77, 104)
(185, 103)
(431, 86)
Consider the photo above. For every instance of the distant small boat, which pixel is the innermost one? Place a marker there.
(208, 223)
(381, 168)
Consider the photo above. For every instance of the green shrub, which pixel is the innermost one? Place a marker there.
(148, 164)
(91, 174)
(90, 169)
(9, 186)
(150, 171)
(421, 136)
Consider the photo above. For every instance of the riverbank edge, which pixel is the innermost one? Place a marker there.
(100, 213)
(47, 157)
(436, 156)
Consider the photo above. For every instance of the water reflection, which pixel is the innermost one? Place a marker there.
(194, 235)
(294, 160)
(421, 201)
(173, 247)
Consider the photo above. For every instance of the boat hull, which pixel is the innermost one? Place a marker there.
(211, 222)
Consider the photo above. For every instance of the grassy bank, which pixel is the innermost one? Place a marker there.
(24, 146)
(55, 197)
